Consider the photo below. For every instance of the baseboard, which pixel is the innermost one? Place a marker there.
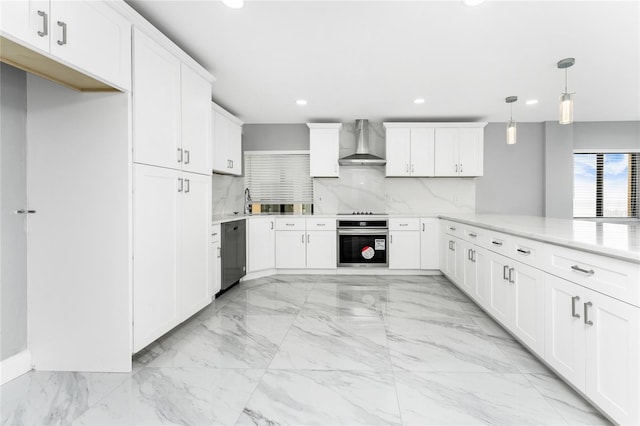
(15, 366)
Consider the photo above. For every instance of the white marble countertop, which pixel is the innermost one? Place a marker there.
(221, 218)
(618, 240)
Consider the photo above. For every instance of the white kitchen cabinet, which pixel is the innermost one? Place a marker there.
(324, 149)
(429, 243)
(195, 244)
(196, 121)
(156, 104)
(458, 152)
(261, 244)
(215, 255)
(404, 243)
(476, 273)
(592, 340)
(171, 249)
(321, 249)
(227, 142)
(450, 252)
(498, 301)
(291, 249)
(409, 151)
(87, 35)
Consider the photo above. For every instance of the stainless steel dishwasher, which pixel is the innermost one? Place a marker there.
(234, 237)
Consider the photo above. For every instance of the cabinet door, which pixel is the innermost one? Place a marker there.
(261, 250)
(321, 250)
(220, 135)
(468, 274)
(429, 244)
(398, 145)
(527, 289)
(481, 262)
(93, 37)
(450, 258)
(613, 357)
(422, 141)
(404, 250)
(215, 255)
(446, 152)
(196, 221)
(196, 122)
(499, 303)
(156, 104)
(471, 156)
(156, 244)
(234, 148)
(290, 250)
(564, 329)
(324, 149)
(27, 21)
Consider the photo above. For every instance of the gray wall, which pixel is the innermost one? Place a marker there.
(275, 137)
(609, 134)
(513, 174)
(558, 164)
(13, 286)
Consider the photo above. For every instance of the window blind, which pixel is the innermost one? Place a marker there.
(276, 178)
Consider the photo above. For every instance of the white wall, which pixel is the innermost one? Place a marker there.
(13, 280)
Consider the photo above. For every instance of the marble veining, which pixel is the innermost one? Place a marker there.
(316, 350)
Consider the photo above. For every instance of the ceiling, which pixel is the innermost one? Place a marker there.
(371, 59)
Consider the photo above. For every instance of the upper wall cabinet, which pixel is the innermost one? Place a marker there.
(324, 149)
(88, 36)
(227, 142)
(459, 150)
(409, 150)
(172, 122)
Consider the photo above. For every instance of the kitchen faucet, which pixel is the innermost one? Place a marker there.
(247, 201)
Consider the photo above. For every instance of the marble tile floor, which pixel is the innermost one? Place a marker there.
(316, 350)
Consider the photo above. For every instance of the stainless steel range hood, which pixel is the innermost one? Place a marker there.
(362, 157)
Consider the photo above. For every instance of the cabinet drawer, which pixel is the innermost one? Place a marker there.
(613, 277)
(412, 224)
(528, 251)
(497, 242)
(451, 228)
(472, 234)
(321, 224)
(292, 224)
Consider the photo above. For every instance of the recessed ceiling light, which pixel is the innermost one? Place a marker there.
(531, 102)
(472, 3)
(234, 4)
(418, 101)
(301, 101)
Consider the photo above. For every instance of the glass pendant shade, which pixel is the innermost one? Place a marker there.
(511, 132)
(566, 109)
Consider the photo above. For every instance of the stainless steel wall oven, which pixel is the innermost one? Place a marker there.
(362, 242)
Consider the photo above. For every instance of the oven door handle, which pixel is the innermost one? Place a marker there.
(367, 231)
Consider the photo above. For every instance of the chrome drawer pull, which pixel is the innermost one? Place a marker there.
(505, 270)
(320, 224)
(471, 234)
(497, 243)
(452, 228)
(574, 299)
(512, 281)
(45, 24)
(525, 252)
(584, 271)
(586, 319)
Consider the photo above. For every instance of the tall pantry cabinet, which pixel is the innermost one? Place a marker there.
(171, 189)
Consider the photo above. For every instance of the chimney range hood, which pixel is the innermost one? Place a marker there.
(362, 157)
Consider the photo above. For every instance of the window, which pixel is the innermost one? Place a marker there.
(278, 178)
(605, 184)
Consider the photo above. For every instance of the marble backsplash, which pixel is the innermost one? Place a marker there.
(367, 189)
(227, 194)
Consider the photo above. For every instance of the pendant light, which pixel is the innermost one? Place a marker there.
(511, 125)
(566, 101)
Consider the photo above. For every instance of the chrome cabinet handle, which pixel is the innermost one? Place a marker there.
(179, 155)
(511, 270)
(584, 271)
(472, 235)
(187, 156)
(423, 227)
(574, 299)
(412, 168)
(404, 224)
(456, 168)
(180, 184)
(391, 239)
(586, 319)
(320, 224)
(468, 254)
(473, 258)
(231, 163)
(505, 270)
(460, 167)
(452, 228)
(497, 243)
(187, 186)
(289, 224)
(45, 23)
(271, 225)
(525, 252)
(64, 33)
(452, 246)
(302, 238)
(308, 239)
(219, 252)
(407, 167)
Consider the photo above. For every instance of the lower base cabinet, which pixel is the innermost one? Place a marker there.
(291, 250)
(592, 340)
(171, 249)
(261, 244)
(216, 260)
(404, 250)
(321, 250)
